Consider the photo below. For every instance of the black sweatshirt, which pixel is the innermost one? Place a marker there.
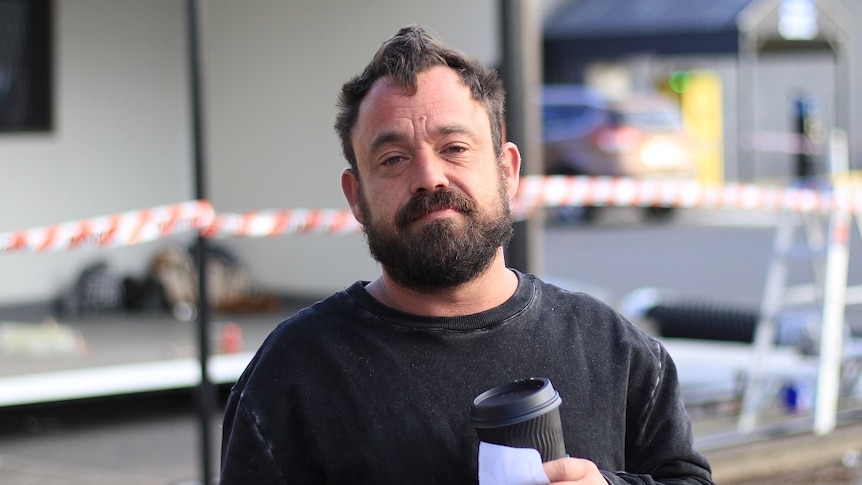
(352, 391)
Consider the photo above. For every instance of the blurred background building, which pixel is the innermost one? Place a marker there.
(739, 68)
(106, 124)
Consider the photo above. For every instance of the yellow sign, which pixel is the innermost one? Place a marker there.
(702, 114)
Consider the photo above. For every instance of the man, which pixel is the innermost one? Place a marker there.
(373, 384)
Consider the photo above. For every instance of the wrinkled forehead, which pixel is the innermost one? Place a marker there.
(440, 100)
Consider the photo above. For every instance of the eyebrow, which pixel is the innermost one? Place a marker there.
(457, 128)
(386, 137)
(394, 136)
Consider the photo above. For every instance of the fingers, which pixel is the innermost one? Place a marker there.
(573, 471)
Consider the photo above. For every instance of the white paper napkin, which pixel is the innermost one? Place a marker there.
(504, 465)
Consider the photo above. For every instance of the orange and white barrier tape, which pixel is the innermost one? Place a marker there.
(283, 222)
(535, 192)
(789, 143)
(122, 229)
(556, 191)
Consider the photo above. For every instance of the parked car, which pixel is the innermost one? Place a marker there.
(641, 136)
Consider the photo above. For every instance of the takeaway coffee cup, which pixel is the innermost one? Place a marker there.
(522, 414)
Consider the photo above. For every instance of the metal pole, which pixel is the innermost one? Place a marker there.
(521, 37)
(206, 390)
(834, 295)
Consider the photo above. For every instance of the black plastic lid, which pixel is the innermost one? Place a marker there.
(514, 402)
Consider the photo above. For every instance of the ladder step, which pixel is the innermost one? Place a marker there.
(802, 294)
(803, 252)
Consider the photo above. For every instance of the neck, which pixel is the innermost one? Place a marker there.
(488, 290)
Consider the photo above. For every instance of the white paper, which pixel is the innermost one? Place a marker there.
(504, 465)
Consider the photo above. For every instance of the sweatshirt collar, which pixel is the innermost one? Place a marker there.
(516, 305)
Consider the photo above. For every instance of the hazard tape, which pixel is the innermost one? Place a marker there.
(782, 142)
(557, 191)
(283, 222)
(535, 192)
(122, 229)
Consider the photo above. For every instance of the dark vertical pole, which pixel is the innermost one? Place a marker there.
(206, 391)
(743, 94)
(520, 37)
(803, 121)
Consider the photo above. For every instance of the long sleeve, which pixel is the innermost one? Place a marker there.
(659, 442)
(246, 456)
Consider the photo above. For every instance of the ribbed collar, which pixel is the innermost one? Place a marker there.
(516, 305)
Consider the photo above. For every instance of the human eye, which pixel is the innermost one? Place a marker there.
(455, 149)
(390, 160)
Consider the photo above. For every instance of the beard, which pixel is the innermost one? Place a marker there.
(441, 253)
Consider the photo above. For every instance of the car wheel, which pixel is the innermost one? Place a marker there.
(570, 215)
(658, 213)
(590, 213)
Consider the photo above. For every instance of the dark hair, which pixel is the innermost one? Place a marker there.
(408, 53)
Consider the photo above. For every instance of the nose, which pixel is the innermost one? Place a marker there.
(429, 172)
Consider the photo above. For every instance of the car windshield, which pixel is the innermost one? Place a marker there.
(558, 113)
(566, 120)
(650, 120)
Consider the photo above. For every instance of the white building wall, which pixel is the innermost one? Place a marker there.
(122, 135)
(120, 140)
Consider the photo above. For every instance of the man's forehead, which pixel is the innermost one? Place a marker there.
(435, 78)
(438, 90)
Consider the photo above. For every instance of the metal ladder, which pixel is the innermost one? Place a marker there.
(825, 243)
(797, 237)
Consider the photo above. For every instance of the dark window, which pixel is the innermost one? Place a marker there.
(26, 74)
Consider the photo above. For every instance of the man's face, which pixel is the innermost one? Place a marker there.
(431, 193)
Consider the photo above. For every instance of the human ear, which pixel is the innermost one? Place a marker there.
(510, 163)
(350, 187)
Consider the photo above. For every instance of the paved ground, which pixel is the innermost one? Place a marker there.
(802, 459)
(145, 439)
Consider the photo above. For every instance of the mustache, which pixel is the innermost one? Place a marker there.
(427, 202)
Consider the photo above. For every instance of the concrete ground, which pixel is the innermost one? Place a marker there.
(803, 459)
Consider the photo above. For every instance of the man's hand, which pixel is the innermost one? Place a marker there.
(573, 471)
